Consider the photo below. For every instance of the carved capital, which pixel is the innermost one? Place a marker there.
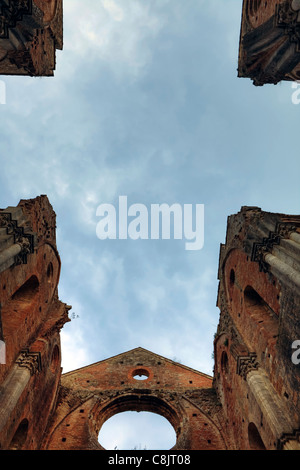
(289, 441)
(6, 222)
(261, 249)
(245, 364)
(284, 230)
(30, 360)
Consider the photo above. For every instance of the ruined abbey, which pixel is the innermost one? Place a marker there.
(252, 401)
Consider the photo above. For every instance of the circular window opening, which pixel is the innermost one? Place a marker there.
(140, 374)
(132, 430)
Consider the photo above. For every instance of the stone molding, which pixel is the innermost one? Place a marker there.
(25, 240)
(259, 250)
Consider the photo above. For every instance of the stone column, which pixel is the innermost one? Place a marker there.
(9, 254)
(295, 236)
(275, 415)
(283, 271)
(27, 364)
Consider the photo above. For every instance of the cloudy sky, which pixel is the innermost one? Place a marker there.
(146, 103)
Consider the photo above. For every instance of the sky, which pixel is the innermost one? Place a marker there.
(146, 103)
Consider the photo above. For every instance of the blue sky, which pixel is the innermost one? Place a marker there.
(146, 103)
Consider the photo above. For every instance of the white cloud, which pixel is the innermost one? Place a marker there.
(111, 31)
(115, 10)
(74, 347)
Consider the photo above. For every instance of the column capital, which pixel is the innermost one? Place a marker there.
(246, 364)
(30, 360)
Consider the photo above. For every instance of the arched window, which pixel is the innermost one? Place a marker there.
(255, 441)
(224, 362)
(20, 436)
(27, 291)
(18, 315)
(261, 320)
(55, 359)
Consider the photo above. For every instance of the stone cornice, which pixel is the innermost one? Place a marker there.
(259, 250)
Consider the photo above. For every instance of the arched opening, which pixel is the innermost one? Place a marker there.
(259, 319)
(19, 317)
(255, 441)
(232, 277)
(224, 362)
(17, 314)
(132, 430)
(27, 291)
(55, 359)
(50, 271)
(139, 414)
(255, 304)
(251, 297)
(20, 436)
(231, 280)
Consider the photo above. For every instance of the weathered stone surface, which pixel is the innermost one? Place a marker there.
(270, 41)
(30, 33)
(31, 317)
(259, 321)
